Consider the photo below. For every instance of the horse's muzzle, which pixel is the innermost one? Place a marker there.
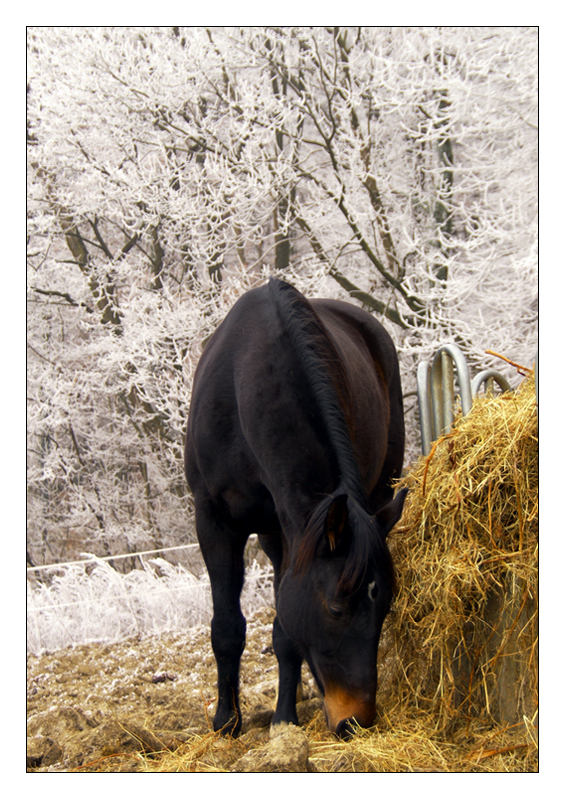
(344, 711)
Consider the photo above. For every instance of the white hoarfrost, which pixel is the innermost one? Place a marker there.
(99, 604)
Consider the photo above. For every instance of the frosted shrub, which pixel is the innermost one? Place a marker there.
(258, 588)
(80, 606)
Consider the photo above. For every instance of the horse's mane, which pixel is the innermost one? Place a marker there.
(328, 383)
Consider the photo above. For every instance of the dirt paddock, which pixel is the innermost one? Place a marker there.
(146, 706)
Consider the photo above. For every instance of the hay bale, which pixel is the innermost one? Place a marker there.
(462, 639)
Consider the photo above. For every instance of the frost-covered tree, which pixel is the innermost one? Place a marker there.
(170, 169)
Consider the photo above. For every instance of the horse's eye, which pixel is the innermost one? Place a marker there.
(334, 610)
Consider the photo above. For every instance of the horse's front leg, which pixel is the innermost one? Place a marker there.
(290, 660)
(288, 655)
(223, 552)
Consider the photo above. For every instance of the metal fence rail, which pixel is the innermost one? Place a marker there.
(436, 395)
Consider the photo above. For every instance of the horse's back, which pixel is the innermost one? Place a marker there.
(370, 359)
(359, 326)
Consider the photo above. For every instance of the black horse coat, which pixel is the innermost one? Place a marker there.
(295, 433)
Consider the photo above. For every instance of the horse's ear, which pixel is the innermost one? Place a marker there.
(336, 525)
(390, 514)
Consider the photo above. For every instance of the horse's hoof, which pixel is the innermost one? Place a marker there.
(230, 728)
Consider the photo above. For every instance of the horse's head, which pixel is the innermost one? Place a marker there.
(333, 603)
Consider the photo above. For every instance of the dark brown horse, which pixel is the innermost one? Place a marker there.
(295, 432)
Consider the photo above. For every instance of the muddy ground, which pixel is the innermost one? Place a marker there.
(146, 705)
(107, 706)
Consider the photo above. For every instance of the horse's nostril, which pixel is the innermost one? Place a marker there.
(346, 728)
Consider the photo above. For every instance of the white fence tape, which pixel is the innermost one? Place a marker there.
(90, 559)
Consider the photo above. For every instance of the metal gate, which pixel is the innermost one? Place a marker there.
(435, 391)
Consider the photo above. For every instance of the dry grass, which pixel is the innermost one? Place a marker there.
(408, 746)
